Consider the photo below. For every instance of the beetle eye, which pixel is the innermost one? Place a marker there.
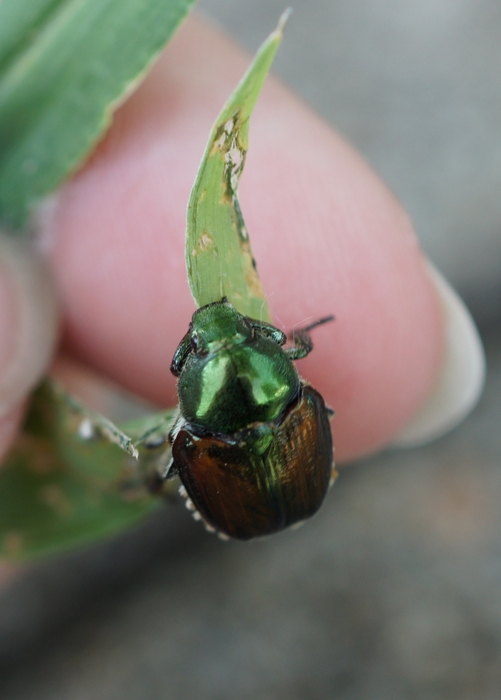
(250, 328)
(196, 345)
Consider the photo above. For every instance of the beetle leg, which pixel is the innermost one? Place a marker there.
(171, 471)
(154, 437)
(94, 425)
(269, 331)
(158, 479)
(181, 354)
(301, 338)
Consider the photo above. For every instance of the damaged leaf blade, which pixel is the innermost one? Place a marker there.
(61, 489)
(218, 253)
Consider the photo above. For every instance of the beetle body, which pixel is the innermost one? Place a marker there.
(253, 446)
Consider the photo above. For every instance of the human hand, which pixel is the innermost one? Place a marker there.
(327, 235)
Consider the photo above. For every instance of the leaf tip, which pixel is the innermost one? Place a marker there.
(284, 18)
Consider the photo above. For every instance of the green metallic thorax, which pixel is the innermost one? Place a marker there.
(235, 374)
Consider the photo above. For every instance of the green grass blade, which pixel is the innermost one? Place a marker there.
(58, 490)
(64, 66)
(218, 254)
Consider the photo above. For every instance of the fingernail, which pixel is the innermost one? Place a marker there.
(28, 321)
(462, 377)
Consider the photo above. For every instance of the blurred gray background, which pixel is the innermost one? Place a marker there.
(394, 590)
(414, 85)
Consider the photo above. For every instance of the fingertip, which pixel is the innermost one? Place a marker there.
(28, 321)
(327, 235)
(462, 375)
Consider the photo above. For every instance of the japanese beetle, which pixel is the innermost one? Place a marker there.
(252, 445)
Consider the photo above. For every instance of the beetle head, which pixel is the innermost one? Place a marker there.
(216, 326)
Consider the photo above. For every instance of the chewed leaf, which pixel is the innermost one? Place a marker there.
(218, 253)
(64, 67)
(64, 484)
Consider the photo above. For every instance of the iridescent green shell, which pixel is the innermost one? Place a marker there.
(234, 374)
(253, 446)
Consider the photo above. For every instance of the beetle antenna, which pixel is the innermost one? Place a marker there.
(320, 322)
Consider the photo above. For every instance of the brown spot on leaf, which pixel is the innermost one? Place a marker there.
(13, 542)
(53, 497)
(37, 453)
(43, 462)
(205, 241)
(254, 284)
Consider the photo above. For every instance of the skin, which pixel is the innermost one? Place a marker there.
(328, 237)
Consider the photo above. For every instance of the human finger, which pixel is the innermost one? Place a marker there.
(28, 330)
(327, 234)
